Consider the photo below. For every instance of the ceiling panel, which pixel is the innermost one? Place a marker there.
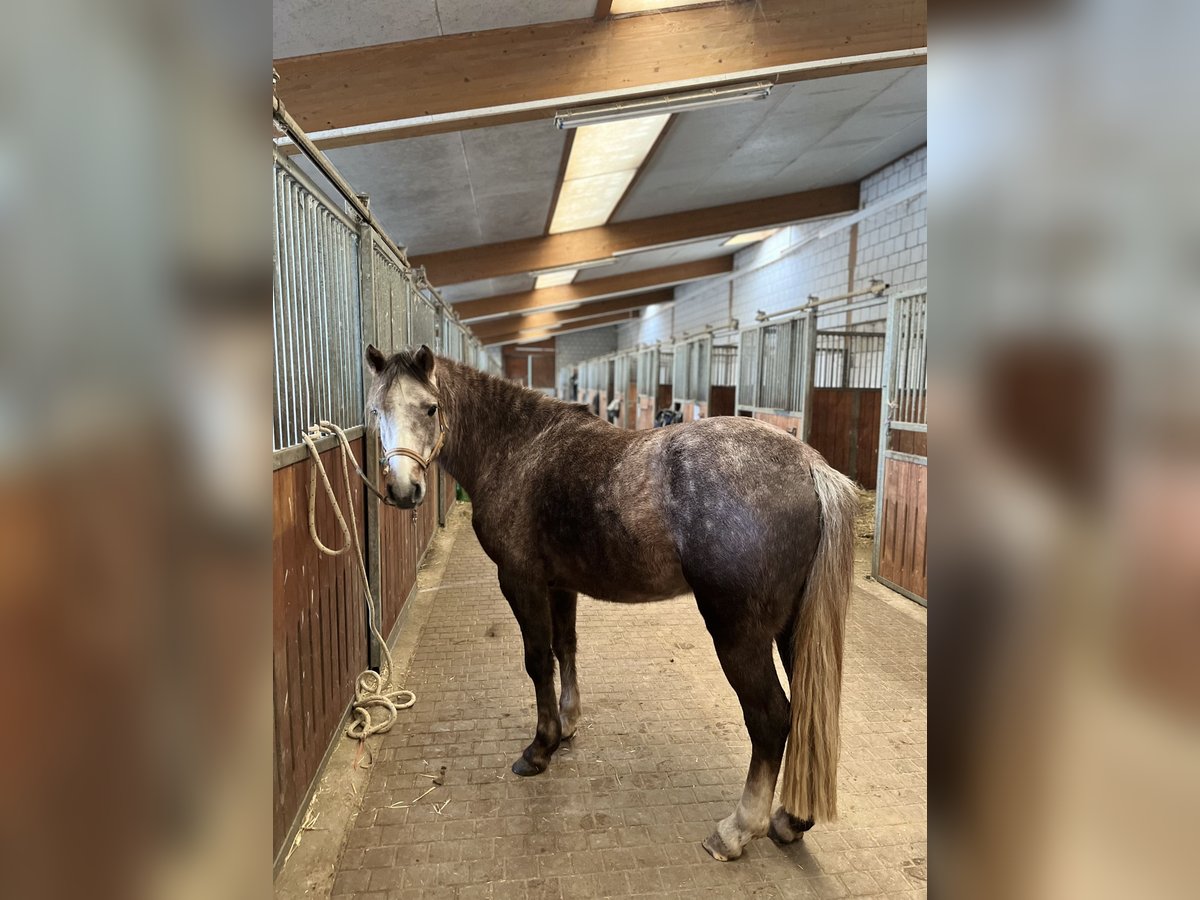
(488, 287)
(444, 191)
(805, 135)
(447, 191)
(320, 26)
(472, 15)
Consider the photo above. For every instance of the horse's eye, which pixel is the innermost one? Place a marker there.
(432, 409)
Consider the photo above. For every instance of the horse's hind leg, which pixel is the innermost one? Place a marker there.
(747, 661)
(562, 608)
(531, 605)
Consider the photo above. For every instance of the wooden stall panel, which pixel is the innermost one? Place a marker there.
(426, 526)
(663, 399)
(845, 429)
(629, 408)
(397, 562)
(902, 557)
(722, 400)
(645, 412)
(403, 541)
(319, 630)
(790, 424)
(915, 443)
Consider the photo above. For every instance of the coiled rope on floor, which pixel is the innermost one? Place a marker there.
(372, 690)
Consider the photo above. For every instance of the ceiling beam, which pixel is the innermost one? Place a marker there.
(504, 75)
(485, 330)
(536, 334)
(550, 299)
(571, 247)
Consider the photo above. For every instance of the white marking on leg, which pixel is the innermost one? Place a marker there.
(750, 818)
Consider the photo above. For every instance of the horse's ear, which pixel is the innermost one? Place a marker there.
(375, 359)
(425, 361)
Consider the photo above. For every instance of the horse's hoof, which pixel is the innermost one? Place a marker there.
(525, 768)
(786, 828)
(718, 849)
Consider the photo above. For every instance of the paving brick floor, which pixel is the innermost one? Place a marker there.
(660, 756)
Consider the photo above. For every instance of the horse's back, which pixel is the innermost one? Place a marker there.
(644, 515)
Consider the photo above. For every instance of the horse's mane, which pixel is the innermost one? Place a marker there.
(500, 393)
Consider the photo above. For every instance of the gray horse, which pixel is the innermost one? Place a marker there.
(750, 520)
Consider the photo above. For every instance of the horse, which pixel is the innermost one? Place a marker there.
(749, 519)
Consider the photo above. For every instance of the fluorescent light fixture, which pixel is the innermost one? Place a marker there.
(625, 7)
(604, 158)
(750, 237)
(663, 104)
(573, 267)
(555, 279)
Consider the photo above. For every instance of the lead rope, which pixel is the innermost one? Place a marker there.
(372, 690)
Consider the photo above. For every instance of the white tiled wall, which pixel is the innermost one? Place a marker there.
(891, 246)
(571, 348)
(655, 324)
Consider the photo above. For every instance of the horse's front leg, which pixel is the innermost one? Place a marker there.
(562, 606)
(530, 603)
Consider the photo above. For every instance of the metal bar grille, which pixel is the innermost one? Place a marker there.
(799, 352)
(851, 358)
(692, 370)
(907, 400)
(775, 388)
(775, 365)
(748, 367)
(316, 315)
(392, 289)
(666, 366)
(679, 382)
(423, 318)
(647, 372)
(724, 365)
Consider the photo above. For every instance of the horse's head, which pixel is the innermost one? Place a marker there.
(403, 406)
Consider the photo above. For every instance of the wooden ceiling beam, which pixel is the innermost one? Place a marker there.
(537, 334)
(485, 330)
(560, 250)
(504, 75)
(551, 299)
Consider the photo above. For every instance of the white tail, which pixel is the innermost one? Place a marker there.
(810, 763)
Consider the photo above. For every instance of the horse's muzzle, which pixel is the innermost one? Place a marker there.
(409, 500)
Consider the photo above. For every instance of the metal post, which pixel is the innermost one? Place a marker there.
(810, 371)
(366, 297)
(885, 419)
(443, 337)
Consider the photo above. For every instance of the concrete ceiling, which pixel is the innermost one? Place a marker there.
(805, 135)
(321, 26)
(488, 287)
(446, 191)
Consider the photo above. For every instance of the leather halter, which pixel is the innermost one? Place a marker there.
(422, 461)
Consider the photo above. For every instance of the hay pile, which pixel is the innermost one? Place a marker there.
(864, 523)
